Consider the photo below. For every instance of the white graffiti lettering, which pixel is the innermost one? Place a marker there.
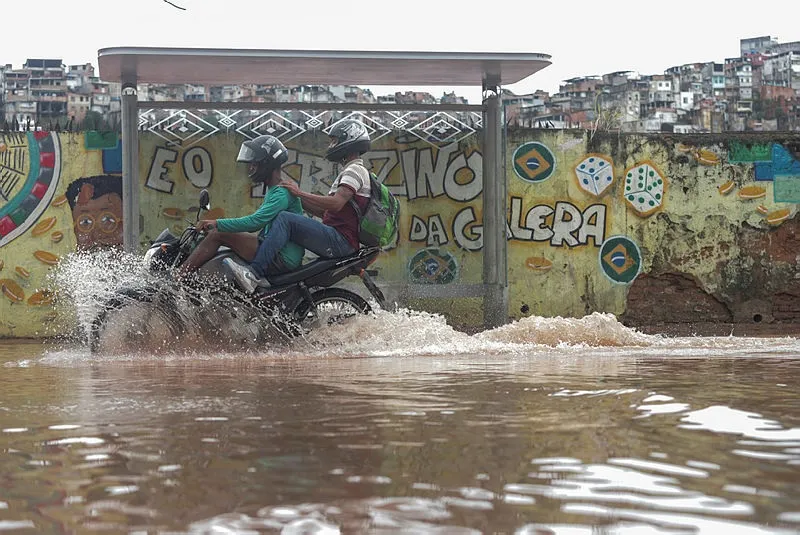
(437, 234)
(415, 174)
(258, 191)
(449, 172)
(470, 190)
(426, 176)
(466, 234)
(594, 225)
(564, 224)
(518, 232)
(536, 220)
(155, 178)
(431, 232)
(566, 220)
(418, 230)
(197, 167)
(388, 160)
(316, 174)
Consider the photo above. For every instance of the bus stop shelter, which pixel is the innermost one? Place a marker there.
(134, 65)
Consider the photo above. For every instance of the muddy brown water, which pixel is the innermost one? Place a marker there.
(398, 423)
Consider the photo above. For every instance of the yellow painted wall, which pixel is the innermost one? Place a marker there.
(557, 225)
(43, 232)
(426, 179)
(719, 196)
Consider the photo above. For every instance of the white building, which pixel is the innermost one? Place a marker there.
(686, 100)
(783, 70)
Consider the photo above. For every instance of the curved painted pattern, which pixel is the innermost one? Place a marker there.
(27, 205)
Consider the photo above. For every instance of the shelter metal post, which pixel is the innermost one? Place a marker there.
(130, 166)
(495, 274)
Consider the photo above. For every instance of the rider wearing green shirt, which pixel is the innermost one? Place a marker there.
(276, 200)
(264, 155)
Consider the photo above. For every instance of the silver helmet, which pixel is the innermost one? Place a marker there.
(264, 154)
(347, 137)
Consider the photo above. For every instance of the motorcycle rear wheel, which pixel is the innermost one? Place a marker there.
(334, 305)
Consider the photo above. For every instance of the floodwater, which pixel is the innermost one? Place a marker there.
(398, 423)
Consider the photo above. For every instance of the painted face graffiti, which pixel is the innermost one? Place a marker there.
(96, 204)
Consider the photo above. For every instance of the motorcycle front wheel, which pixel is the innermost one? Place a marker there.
(125, 323)
(334, 305)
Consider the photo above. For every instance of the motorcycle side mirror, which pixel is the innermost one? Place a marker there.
(204, 202)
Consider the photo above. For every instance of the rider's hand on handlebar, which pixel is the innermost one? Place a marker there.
(205, 225)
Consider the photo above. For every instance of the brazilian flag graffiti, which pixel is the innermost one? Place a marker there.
(534, 162)
(620, 259)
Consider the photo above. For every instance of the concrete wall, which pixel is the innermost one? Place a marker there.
(39, 224)
(654, 229)
(708, 230)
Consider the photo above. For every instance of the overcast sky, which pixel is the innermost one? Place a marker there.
(583, 37)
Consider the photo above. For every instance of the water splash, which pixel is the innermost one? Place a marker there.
(595, 330)
(206, 322)
(408, 332)
(146, 311)
(389, 333)
(86, 280)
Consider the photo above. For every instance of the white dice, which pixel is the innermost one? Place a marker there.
(595, 174)
(644, 188)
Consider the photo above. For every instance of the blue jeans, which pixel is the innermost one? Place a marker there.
(320, 239)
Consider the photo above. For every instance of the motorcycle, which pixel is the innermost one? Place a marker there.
(295, 302)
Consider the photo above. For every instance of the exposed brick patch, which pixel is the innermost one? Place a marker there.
(786, 306)
(671, 298)
(781, 244)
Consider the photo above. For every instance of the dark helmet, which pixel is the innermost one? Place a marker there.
(347, 137)
(264, 154)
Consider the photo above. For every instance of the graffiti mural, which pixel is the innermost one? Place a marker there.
(581, 232)
(644, 188)
(595, 174)
(563, 224)
(749, 193)
(534, 162)
(749, 153)
(786, 170)
(781, 162)
(30, 169)
(35, 228)
(538, 263)
(433, 265)
(701, 155)
(96, 204)
(787, 188)
(620, 259)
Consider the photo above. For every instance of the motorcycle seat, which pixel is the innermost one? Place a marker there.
(313, 268)
(303, 272)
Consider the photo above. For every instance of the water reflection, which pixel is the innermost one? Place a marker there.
(560, 439)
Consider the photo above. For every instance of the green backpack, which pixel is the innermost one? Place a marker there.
(378, 225)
